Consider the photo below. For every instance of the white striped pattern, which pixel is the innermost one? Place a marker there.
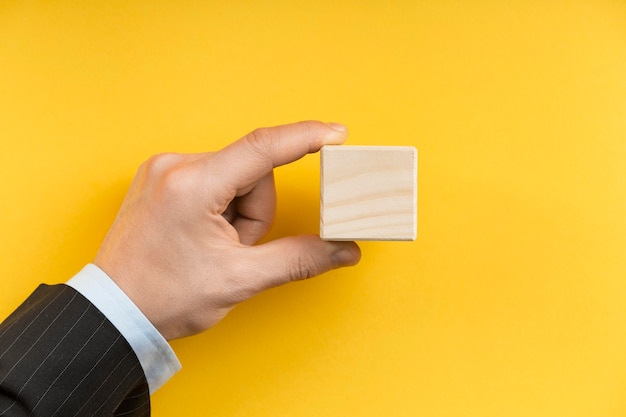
(60, 356)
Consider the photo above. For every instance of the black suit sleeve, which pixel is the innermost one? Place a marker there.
(60, 356)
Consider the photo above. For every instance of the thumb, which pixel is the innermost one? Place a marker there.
(295, 258)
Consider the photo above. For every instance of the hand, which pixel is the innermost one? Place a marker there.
(181, 246)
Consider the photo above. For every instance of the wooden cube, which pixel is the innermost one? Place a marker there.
(368, 193)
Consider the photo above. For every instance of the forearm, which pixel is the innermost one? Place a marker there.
(59, 355)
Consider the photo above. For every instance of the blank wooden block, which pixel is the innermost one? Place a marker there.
(368, 193)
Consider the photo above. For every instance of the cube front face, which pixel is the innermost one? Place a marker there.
(368, 193)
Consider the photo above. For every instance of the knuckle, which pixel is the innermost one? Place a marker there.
(168, 178)
(307, 126)
(157, 164)
(261, 141)
(175, 181)
(304, 267)
(313, 131)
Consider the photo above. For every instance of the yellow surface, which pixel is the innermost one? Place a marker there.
(512, 301)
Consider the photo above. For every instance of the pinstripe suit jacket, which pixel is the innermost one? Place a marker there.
(60, 356)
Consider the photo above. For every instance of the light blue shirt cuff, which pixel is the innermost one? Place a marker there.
(157, 358)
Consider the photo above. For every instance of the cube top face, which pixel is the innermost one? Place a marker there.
(368, 193)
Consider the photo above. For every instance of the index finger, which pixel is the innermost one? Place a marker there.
(246, 161)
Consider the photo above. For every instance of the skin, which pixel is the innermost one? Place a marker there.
(183, 245)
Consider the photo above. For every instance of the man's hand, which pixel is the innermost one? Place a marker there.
(181, 246)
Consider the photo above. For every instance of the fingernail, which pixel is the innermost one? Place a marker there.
(337, 126)
(345, 257)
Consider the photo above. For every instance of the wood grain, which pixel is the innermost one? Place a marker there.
(368, 193)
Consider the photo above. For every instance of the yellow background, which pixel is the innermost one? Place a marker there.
(512, 301)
